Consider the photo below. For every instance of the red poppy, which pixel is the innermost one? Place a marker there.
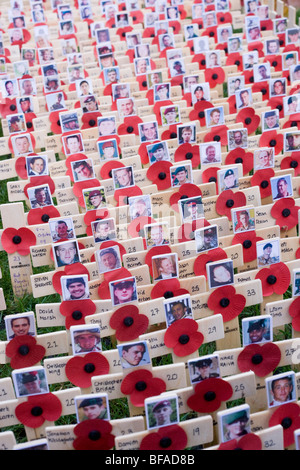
(75, 311)
(294, 312)
(261, 178)
(140, 384)
(39, 181)
(274, 280)
(211, 32)
(70, 270)
(8, 106)
(128, 323)
(169, 133)
(226, 301)
(20, 167)
(287, 415)
(200, 59)
(240, 156)
(232, 104)
(249, 77)
(107, 167)
(142, 80)
(201, 261)
(90, 119)
(186, 232)
(185, 191)
(209, 175)
(272, 139)
(256, 46)
(103, 289)
(159, 173)
(276, 103)
(198, 113)
(188, 152)
(24, 351)
(235, 58)
(136, 226)
(121, 195)
(93, 434)
(42, 215)
(263, 88)
(275, 61)
(228, 200)
(166, 438)
(209, 395)
(177, 81)
(217, 134)
(121, 32)
(167, 288)
(291, 123)
(183, 337)
(262, 359)
(81, 369)
(18, 240)
(137, 16)
(248, 442)
(55, 121)
(38, 409)
(130, 125)
(148, 32)
(249, 119)
(29, 118)
(214, 76)
(285, 213)
(248, 241)
(92, 216)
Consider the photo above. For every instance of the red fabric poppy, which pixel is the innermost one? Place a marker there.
(263, 88)
(90, 119)
(248, 241)
(200, 59)
(121, 195)
(256, 46)
(70, 270)
(274, 280)
(209, 175)
(103, 289)
(217, 134)
(24, 351)
(107, 167)
(81, 369)
(261, 178)
(140, 384)
(136, 226)
(291, 123)
(18, 240)
(201, 261)
(211, 32)
(287, 415)
(121, 32)
(183, 337)
(198, 113)
(93, 434)
(276, 103)
(20, 167)
(130, 125)
(240, 156)
(232, 104)
(38, 409)
(75, 311)
(275, 61)
(55, 121)
(235, 58)
(42, 215)
(285, 212)
(248, 442)
(159, 173)
(249, 119)
(167, 288)
(8, 106)
(137, 16)
(262, 359)
(166, 438)
(249, 77)
(39, 181)
(188, 152)
(169, 133)
(128, 323)
(148, 32)
(294, 312)
(186, 230)
(214, 76)
(226, 301)
(177, 81)
(28, 118)
(209, 395)
(185, 191)
(272, 139)
(228, 200)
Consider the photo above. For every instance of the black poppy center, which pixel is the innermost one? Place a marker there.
(272, 143)
(211, 34)
(239, 160)
(12, 107)
(257, 359)
(217, 138)
(247, 244)
(24, 350)
(58, 123)
(94, 435)
(279, 107)
(110, 173)
(29, 125)
(271, 279)
(77, 315)
(184, 339)
(214, 76)
(17, 239)
(209, 396)
(230, 203)
(286, 422)
(165, 442)
(264, 184)
(286, 212)
(89, 368)
(37, 411)
(129, 129)
(189, 156)
(274, 63)
(201, 114)
(294, 164)
(168, 294)
(237, 62)
(128, 321)
(92, 122)
(184, 196)
(45, 217)
(162, 176)
(248, 121)
(203, 62)
(173, 135)
(212, 179)
(140, 386)
(224, 302)
(144, 83)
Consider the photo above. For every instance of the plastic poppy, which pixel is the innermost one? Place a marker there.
(211, 32)
(231, 100)
(140, 384)
(198, 113)
(274, 280)
(70, 270)
(130, 125)
(185, 191)
(248, 442)
(55, 122)
(186, 231)
(167, 288)
(249, 119)
(24, 351)
(248, 241)
(287, 415)
(183, 337)
(262, 359)
(214, 76)
(188, 152)
(128, 323)
(121, 195)
(235, 58)
(240, 156)
(209, 395)
(261, 178)
(272, 139)
(201, 261)
(217, 134)
(81, 369)
(249, 77)
(285, 213)
(18, 240)
(228, 200)
(294, 312)
(159, 173)
(42, 215)
(38, 409)
(75, 311)
(166, 438)
(226, 301)
(93, 434)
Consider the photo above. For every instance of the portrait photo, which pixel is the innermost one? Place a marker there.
(224, 34)
(75, 287)
(165, 266)
(120, 90)
(281, 388)
(108, 149)
(30, 381)
(92, 406)
(257, 329)
(108, 259)
(20, 324)
(94, 198)
(268, 252)
(190, 31)
(210, 19)
(292, 35)
(181, 174)
(154, 78)
(281, 186)
(252, 28)
(16, 123)
(200, 92)
(296, 283)
(142, 65)
(210, 153)
(191, 208)
(277, 86)
(123, 177)
(243, 219)
(107, 126)
(186, 133)
(139, 206)
(85, 339)
(262, 71)
(37, 165)
(237, 138)
(165, 41)
(234, 423)
(66, 253)
(39, 196)
(148, 131)
(249, 60)
(135, 354)
(235, 44)
(291, 104)
(235, 84)
(200, 44)
(289, 59)
(213, 59)
(177, 308)
(158, 152)
(123, 291)
(263, 158)
(220, 273)
(214, 116)
(280, 25)
(188, 81)
(84, 87)
(270, 120)
(102, 35)
(89, 104)
(161, 92)
(157, 234)
(228, 178)
(272, 46)
(126, 107)
(291, 141)
(9, 88)
(111, 75)
(73, 143)
(55, 101)
(161, 411)
(243, 98)
(61, 229)
(206, 367)
(83, 170)
(170, 115)
(133, 39)
(206, 238)
(104, 230)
